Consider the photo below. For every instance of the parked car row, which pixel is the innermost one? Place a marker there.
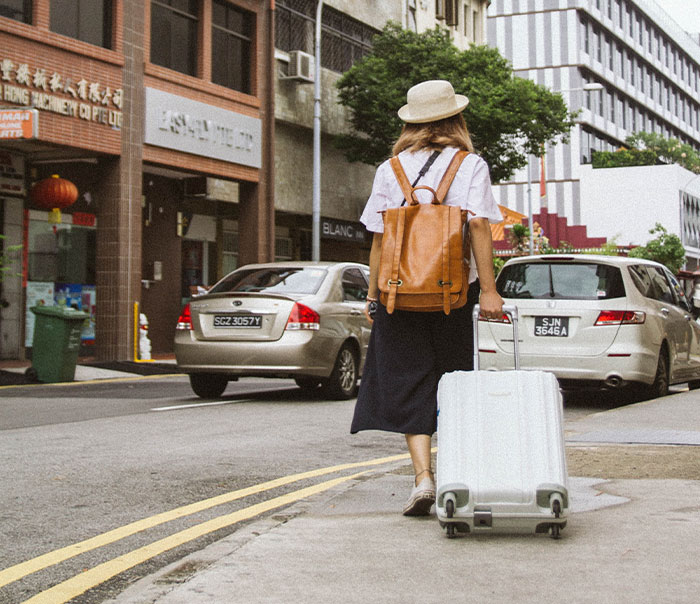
(596, 322)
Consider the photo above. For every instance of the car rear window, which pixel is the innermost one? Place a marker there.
(561, 280)
(277, 280)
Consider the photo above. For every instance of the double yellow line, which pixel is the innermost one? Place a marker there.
(65, 591)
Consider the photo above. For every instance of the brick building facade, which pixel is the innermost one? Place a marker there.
(141, 105)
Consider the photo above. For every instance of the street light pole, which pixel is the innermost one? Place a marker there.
(529, 208)
(316, 194)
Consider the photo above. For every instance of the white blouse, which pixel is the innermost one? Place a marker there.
(471, 189)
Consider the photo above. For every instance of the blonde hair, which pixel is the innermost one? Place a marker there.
(435, 136)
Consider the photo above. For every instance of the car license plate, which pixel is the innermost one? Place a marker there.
(552, 326)
(238, 321)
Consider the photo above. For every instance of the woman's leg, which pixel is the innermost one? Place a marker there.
(419, 448)
(422, 496)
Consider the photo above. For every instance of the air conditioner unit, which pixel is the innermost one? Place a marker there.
(301, 66)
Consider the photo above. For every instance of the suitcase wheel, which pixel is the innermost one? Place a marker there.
(450, 512)
(556, 509)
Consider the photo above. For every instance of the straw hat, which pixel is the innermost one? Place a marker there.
(430, 101)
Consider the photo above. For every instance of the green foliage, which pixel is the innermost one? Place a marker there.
(498, 265)
(624, 158)
(503, 110)
(609, 248)
(666, 150)
(519, 237)
(666, 248)
(7, 255)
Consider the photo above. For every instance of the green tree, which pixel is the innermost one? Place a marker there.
(519, 237)
(508, 117)
(666, 248)
(666, 150)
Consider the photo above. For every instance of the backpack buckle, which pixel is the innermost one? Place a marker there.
(398, 282)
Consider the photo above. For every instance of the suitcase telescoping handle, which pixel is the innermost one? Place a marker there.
(512, 312)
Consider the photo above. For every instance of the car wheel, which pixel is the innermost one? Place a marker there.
(307, 383)
(659, 387)
(694, 385)
(208, 385)
(342, 384)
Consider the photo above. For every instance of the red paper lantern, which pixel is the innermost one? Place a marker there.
(53, 194)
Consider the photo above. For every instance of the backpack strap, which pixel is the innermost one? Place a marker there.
(394, 281)
(450, 174)
(401, 177)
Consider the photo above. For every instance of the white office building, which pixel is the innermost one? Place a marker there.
(625, 64)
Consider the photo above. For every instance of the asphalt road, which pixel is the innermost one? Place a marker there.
(80, 460)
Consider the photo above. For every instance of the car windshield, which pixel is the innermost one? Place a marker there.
(277, 280)
(567, 281)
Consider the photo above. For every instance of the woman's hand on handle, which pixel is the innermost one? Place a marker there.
(491, 304)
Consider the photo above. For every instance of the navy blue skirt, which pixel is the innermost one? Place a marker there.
(407, 355)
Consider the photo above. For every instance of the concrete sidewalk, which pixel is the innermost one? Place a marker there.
(12, 373)
(628, 540)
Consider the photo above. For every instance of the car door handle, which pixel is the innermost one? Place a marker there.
(665, 311)
(355, 312)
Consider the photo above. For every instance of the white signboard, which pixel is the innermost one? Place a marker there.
(179, 123)
(39, 293)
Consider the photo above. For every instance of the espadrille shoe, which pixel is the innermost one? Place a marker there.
(421, 499)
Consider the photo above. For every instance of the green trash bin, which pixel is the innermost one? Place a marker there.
(56, 342)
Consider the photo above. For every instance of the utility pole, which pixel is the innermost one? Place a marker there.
(316, 202)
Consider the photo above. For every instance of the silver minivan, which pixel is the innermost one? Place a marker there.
(598, 322)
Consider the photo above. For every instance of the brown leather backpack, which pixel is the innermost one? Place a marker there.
(424, 261)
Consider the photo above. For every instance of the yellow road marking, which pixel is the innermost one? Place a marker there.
(71, 588)
(18, 571)
(98, 381)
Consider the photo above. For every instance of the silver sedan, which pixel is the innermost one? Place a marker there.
(301, 320)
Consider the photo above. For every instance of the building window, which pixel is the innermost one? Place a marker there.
(19, 10)
(86, 20)
(232, 34)
(174, 34)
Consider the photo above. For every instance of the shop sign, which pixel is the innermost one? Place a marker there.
(28, 85)
(179, 123)
(342, 230)
(11, 174)
(19, 123)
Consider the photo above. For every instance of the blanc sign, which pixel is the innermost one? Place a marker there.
(342, 230)
(182, 124)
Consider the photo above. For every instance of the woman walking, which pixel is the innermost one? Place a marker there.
(409, 351)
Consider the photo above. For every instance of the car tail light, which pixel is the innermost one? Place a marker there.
(503, 319)
(185, 320)
(303, 317)
(620, 317)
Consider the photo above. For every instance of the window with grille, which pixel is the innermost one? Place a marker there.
(19, 10)
(86, 20)
(344, 40)
(232, 39)
(174, 34)
(284, 249)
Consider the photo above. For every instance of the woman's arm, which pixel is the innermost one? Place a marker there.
(374, 256)
(490, 301)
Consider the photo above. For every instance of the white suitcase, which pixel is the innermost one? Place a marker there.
(501, 464)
